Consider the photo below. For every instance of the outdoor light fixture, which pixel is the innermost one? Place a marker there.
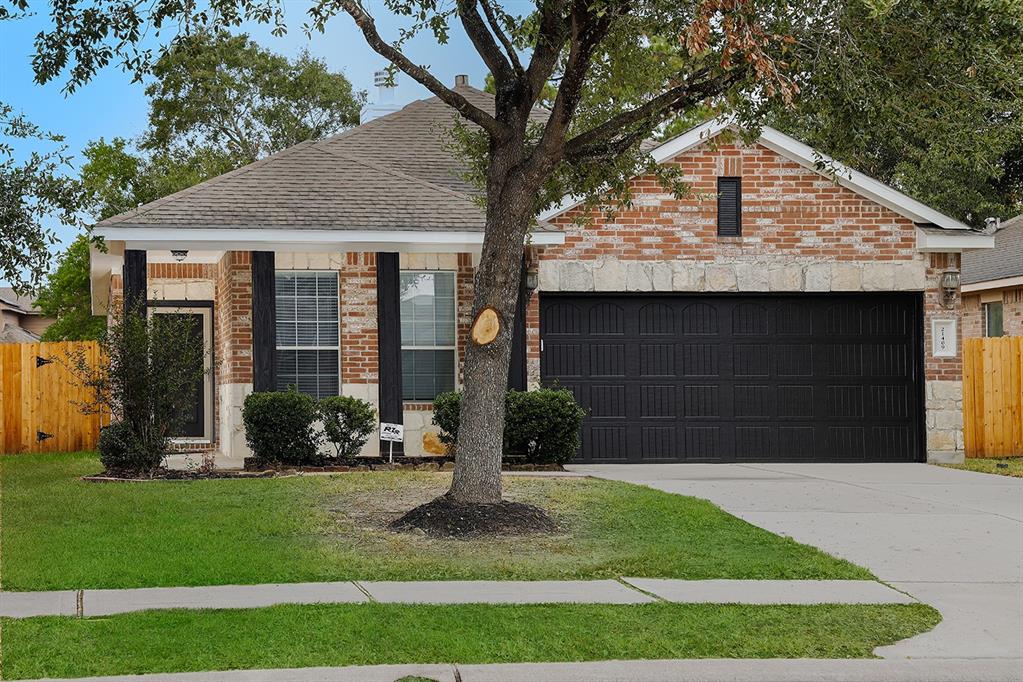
(532, 280)
(179, 254)
(949, 288)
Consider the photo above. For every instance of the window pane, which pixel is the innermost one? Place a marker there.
(993, 315)
(425, 373)
(307, 316)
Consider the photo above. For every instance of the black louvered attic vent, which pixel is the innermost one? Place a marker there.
(729, 207)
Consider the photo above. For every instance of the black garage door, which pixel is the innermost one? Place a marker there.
(827, 378)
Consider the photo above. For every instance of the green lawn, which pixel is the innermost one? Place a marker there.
(62, 533)
(302, 636)
(1013, 466)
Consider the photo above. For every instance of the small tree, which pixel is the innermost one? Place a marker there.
(347, 423)
(147, 379)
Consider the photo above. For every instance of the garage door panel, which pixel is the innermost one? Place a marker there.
(738, 377)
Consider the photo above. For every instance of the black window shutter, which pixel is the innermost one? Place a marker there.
(729, 207)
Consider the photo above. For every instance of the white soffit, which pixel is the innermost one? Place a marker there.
(805, 156)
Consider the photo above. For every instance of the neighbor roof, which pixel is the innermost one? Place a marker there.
(1001, 262)
(22, 304)
(392, 173)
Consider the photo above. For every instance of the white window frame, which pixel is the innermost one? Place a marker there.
(337, 348)
(454, 346)
(985, 306)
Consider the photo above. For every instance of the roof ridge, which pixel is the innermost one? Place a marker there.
(357, 158)
(216, 179)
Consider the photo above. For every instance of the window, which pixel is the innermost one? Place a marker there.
(729, 207)
(993, 319)
(307, 332)
(427, 334)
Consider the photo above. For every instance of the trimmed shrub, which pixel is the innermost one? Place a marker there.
(117, 448)
(446, 408)
(347, 423)
(279, 427)
(541, 427)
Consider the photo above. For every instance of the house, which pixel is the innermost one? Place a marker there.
(20, 320)
(778, 313)
(993, 285)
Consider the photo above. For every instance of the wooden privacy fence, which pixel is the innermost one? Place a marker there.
(993, 396)
(36, 395)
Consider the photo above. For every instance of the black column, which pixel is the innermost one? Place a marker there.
(389, 342)
(264, 322)
(133, 276)
(517, 368)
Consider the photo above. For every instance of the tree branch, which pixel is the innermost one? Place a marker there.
(368, 27)
(495, 26)
(483, 41)
(552, 36)
(587, 30)
(596, 141)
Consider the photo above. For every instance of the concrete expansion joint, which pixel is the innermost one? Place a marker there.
(362, 589)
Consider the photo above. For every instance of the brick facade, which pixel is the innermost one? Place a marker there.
(801, 233)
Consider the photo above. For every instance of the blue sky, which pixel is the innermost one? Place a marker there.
(111, 105)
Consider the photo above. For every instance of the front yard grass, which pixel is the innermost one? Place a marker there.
(62, 533)
(353, 634)
(1013, 466)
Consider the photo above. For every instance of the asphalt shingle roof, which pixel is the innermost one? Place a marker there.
(395, 172)
(1005, 260)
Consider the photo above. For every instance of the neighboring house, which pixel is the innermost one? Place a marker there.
(20, 320)
(776, 314)
(993, 285)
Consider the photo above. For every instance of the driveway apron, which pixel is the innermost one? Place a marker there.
(953, 539)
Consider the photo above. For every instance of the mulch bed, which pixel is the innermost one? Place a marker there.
(255, 469)
(444, 518)
(177, 475)
(373, 464)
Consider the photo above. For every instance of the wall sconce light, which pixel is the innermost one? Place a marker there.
(949, 288)
(532, 280)
(179, 254)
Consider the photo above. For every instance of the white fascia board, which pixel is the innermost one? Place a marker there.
(1004, 283)
(953, 240)
(805, 156)
(665, 152)
(858, 182)
(246, 239)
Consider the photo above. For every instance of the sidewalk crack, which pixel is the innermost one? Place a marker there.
(80, 604)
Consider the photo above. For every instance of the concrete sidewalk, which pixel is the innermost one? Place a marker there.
(708, 670)
(953, 539)
(627, 591)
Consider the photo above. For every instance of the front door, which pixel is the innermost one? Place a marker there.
(197, 424)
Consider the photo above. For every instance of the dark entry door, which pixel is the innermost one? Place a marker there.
(194, 426)
(822, 378)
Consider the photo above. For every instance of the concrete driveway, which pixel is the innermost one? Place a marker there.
(953, 539)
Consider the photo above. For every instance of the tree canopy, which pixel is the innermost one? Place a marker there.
(66, 296)
(224, 92)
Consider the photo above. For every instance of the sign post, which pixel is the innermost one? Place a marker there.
(392, 433)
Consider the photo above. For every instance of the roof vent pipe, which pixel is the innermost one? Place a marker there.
(461, 79)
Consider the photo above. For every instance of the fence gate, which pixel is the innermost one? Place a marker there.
(993, 396)
(36, 396)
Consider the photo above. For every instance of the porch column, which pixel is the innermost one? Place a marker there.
(264, 322)
(389, 343)
(133, 277)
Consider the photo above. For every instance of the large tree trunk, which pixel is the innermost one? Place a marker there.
(477, 475)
